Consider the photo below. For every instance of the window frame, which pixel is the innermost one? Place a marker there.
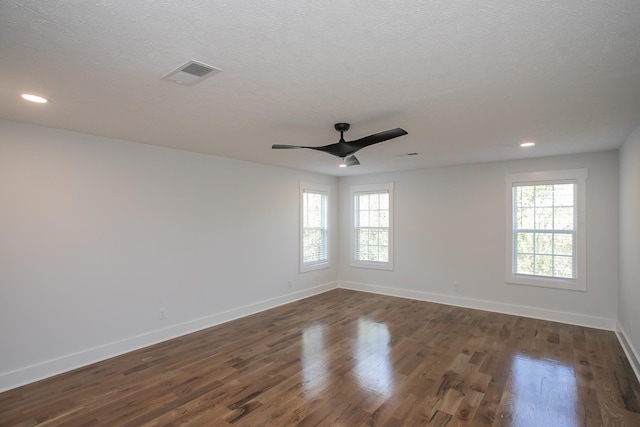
(371, 189)
(307, 187)
(575, 176)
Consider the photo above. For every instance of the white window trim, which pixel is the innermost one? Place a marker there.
(314, 188)
(579, 176)
(372, 188)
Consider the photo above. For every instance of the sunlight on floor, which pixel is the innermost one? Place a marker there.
(543, 392)
(314, 359)
(373, 368)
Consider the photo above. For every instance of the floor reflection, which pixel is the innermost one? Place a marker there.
(373, 368)
(544, 393)
(314, 359)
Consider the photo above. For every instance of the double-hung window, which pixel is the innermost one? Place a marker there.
(314, 227)
(546, 230)
(372, 232)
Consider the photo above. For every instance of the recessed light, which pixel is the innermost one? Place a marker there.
(34, 98)
(527, 144)
(342, 165)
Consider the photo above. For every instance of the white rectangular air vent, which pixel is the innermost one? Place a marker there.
(191, 73)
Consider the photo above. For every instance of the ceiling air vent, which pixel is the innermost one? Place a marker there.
(191, 73)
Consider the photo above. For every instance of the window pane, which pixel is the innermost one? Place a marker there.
(545, 228)
(304, 209)
(362, 237)
(383, 254)
(563, 218)
(524, 218)
(525, 196)
(563, 244)
(374, 219)
(524, 242)
(312, 247)
(384, 218)
(544, 219)
(543, 195)
(372, 227)
(364, 202)
(563, 267)
(383, 237)
(563, 195)
(363, 219)
(384, 201)
(371, 235)
(374, 202)
(544, 243)
(524, 264)
(315, 219)
(314, 227)
(544, 265)
(373, 253)
(548, 210)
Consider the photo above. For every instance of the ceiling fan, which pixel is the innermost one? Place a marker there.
(346, 150)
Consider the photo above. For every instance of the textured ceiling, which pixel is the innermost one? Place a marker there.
(469, 80)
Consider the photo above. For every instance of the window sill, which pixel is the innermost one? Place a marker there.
(548, 282)
(313, 267)
(373, 265)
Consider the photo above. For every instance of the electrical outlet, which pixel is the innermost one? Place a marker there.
(629, 326)
(162, 313)
(456, 286)
(290, 283)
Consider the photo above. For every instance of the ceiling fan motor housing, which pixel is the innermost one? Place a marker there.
(342, 127)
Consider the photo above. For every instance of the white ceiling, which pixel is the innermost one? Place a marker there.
(469, 80)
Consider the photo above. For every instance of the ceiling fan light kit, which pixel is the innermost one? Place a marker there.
(346, 149)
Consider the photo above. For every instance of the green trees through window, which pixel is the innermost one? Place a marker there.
(544, 230)
(372, 227)
(372, 223)
(314, 226)
(314, 229)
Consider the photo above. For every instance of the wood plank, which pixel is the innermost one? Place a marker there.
(350, 358)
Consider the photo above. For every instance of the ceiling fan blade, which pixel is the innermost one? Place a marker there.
(351, 160)
(379, 137)
(346, 149)
(286, 147)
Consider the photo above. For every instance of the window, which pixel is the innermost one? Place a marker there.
(314, 230)
(546, 233)
(372, 226)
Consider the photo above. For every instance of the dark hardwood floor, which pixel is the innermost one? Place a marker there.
(347, 358)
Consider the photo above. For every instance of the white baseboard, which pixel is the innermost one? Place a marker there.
(29, 374)
(497, 307)
(49, 368)
(631, 352)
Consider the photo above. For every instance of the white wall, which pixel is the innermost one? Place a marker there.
(450, 226)
(629, 292)
(97, 234)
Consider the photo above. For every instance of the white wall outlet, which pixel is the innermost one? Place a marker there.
(290, 283)
(456, 286)
(162, 313)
